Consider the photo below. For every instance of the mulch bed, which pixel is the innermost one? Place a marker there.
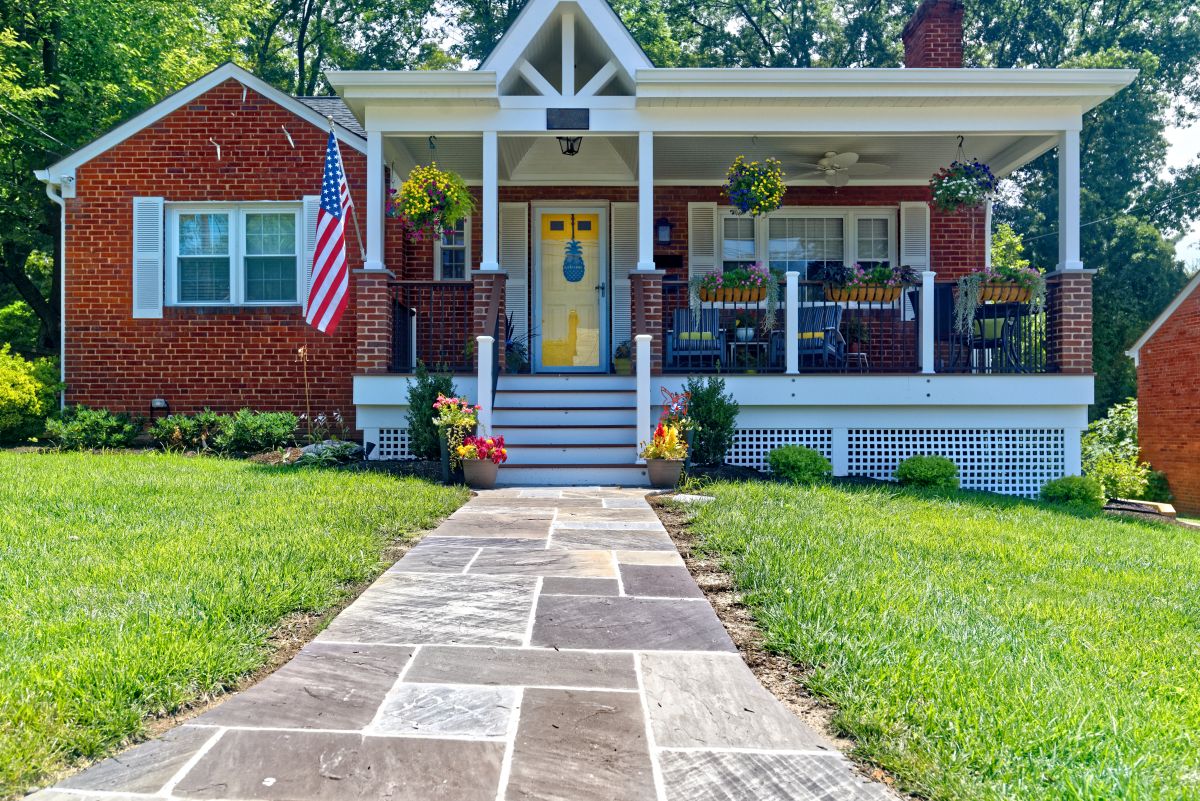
(783, 678)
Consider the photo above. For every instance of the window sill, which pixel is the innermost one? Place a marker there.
(182, 310)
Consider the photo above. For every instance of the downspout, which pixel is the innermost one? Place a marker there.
(54, 192)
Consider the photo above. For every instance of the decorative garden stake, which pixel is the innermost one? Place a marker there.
(573, 266)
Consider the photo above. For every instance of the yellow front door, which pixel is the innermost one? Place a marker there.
(570, 291)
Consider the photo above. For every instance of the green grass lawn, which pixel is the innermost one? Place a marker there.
(981, 648)
(131, 584)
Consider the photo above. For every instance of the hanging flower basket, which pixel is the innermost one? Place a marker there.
(755, 187)
(431, 201)
(964, 184)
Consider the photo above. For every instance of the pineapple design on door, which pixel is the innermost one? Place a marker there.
(570, 280)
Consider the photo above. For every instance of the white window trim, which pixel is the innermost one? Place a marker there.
(849, 214)
(437, 254)
(237, 270)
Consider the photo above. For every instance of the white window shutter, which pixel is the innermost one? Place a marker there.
(312, 204)
(514, 259)
(914, 235)
(702, 239)
(624, 260)
(147, 257)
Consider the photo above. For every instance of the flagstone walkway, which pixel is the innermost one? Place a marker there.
(540, 644)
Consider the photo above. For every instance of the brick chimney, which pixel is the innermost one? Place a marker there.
(934, 35)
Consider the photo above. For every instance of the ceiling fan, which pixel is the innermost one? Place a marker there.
(839, 168)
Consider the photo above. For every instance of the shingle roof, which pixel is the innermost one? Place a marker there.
(333, 106)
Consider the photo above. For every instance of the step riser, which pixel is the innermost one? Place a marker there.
(582, 418)
(560, 400)
(582, 455)
(580, 382)
(542, 435)
(513, 476)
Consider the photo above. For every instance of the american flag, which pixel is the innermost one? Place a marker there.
(330, 282)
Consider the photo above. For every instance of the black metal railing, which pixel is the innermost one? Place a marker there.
(432, 322)
(1001, 338)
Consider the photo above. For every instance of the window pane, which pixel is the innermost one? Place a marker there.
(271, 234)
(270, 279)
(454, 264)
(204, 234)
(801, 243)
(204, 279)
(456, 238)
(873, 241)
(737, 242)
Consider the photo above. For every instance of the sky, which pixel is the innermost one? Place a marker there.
(1185, 148)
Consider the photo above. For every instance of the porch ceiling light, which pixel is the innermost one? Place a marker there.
(569, 145)
(662, 230)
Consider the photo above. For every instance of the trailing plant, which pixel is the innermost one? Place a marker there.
(27, 394)
(715, 415)
(970, 286)
(1077, 493)
(962, 184)
(484, 449)
(423, 390)
(80, 428)
(456, 419)
(431, 201)
(755, 187)
(247, 432)
(665, 444)
(799, 465)
(928, 472)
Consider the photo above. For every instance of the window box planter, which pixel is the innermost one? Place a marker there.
(480, 473)
(863, 293)
(664, 473)
(1004, 293)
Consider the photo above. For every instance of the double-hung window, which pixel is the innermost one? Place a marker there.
(452, 253)
(234, 255)
(804, 244)
(804, 239)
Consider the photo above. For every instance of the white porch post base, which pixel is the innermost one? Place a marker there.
(643, 392)
(840, 458)
(485, 346)
(927, 326)
(1072, 452)
(791, 323)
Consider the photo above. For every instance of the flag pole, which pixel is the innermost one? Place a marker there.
(362, 251)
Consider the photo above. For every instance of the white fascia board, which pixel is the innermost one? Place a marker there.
(392, 390)
(1134, 351)
(413, 83)
(187, 94)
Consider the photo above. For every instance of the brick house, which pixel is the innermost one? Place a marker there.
(1167, 356)
(182, 228)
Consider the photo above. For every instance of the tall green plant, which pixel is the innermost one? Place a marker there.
(715, 415)
(423, 390)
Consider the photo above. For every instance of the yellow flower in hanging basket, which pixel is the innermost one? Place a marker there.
(431, 201)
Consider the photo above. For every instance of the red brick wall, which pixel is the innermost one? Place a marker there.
(934, 35)
(1069, 322)
(221, 358)
(1169, 403)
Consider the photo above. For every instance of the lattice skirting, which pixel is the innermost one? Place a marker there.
(392, 443)
(1013, 461)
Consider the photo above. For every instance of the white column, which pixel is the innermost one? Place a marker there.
(373, 258)
(642, 345)
(987, 235)
(1068, 201)
(484, 349)
(645, 201)
(926, 316)
(491, 202)
(791, 323)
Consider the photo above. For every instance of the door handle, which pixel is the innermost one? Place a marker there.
(602, 287)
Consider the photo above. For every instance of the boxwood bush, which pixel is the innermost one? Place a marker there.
(247, 431)
(799, 465)
(928, 472)
(182, 432)
(715, 414)
(1078, 493)
(423, 440)
(80, 428)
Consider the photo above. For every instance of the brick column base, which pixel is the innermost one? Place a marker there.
(1069, 322)
(373, 313)
(646, 293)
(486, 282)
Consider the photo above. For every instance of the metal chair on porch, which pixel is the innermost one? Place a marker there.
(696, 340)
(819, 339)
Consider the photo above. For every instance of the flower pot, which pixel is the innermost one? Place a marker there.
(744, 333)
(870, 293)
(1003, 293)
(623, 366)
(758, 294)
(664, 473)
(480, 473)
(449, 476)
(723, 294)
(707, 295)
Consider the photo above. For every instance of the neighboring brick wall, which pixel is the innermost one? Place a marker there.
(1069, 319)
(1169, 403)
(221, 358)
(934, 35)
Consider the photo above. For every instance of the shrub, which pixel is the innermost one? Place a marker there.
(1157, 488)
(248, 431)
(181, 432)
(423, 390)
(19, 326)
(27, 390)
(715, 414)
(1119, 476)
(81, 428)
(928, 472)
(799, 465)
(1080, 493)
(1110, 452)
